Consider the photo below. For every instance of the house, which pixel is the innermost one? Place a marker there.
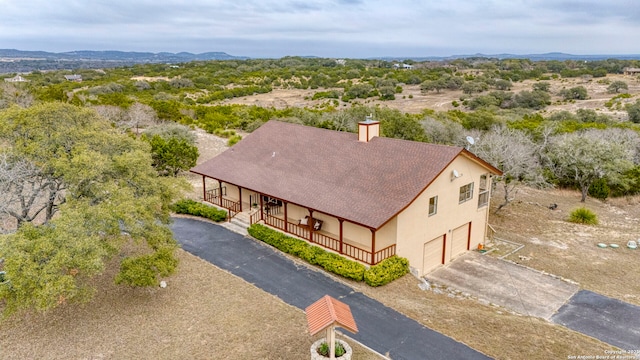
(74, 77)
(631, 71)
(361, 195)
(403, 65)
(17, 78)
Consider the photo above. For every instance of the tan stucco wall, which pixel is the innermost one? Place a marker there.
(296, 212)
(416, 227)
(358, 234)
(386, 235)
(233, 192)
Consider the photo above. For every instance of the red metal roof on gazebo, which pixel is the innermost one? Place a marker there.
(328, 311)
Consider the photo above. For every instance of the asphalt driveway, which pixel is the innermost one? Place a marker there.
(610, 320)
(529, 292)
(509, 285)
(380, 328)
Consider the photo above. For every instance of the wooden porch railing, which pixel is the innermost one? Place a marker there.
(326, 241)
(233, 207)
(385, 253)
(357, 253)
(274, 221)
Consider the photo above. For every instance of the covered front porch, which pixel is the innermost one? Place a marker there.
(356, 241)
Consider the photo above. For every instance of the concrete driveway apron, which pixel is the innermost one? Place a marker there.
(514, 287)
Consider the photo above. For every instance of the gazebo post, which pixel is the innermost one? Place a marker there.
(331, 341)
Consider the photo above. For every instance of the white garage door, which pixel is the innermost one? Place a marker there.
(459, 240)
(432, 254)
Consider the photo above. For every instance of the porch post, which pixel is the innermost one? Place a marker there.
(310, 224)
(286, 222)
(261, 208)
(469, 237)
(341, 221)
(220, 193)
(240, 196)
(204, 189)
(373, 246)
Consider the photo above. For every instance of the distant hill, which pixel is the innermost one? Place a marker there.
(19, 61)
(534, 57)
(25, 61)
(112, 55)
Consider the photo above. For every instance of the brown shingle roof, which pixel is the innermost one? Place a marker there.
(332, 172)
(328, 311)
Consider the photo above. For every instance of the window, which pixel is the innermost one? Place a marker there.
(483, 191)
(466, 193)
(433, 205)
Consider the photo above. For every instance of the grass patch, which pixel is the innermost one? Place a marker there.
(583, 216)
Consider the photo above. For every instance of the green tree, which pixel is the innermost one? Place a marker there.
(541, 86)
(430, 85)
(173, 149)
(575, 93)
(616, 86)
(532, 99)
(502, 84)
(471, 87)
(633, 110)
(584, 157)
(107, 200)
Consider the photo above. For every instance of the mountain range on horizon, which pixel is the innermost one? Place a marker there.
(13, 60)
(116, 55)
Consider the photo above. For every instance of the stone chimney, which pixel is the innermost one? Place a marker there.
(367, 129)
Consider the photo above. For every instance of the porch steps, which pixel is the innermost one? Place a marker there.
(238, 224)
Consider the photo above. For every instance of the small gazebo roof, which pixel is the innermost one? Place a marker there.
(328, 312)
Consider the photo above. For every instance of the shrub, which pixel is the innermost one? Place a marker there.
(190, 207)
(323, 349)
(386, 271)
(599, 189)
(583, 216)
(234, 140)
(312, 254)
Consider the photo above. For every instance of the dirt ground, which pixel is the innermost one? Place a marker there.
(596, 88)
(568, 250)
(203, 313)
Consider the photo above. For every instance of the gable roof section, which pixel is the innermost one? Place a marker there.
(332, 172)
(328, 311)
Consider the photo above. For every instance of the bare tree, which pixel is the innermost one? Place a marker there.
(26, 191)
(14, 94)
(137, 116)
(141, 115)
(514, 153)
(442, 132)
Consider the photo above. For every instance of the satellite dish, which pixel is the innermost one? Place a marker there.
(471, 140)
(456, 174)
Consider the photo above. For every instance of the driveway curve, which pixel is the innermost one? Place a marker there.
(380, 327)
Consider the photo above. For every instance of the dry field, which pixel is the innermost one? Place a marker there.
(596, 87)
(204, 313)
(570, 250)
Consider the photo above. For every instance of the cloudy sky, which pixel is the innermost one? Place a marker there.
(327, 28)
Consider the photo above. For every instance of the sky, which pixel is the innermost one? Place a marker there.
(324, 28)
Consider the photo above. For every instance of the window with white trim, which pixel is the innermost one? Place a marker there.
(433, 205)
(466, 193)
(483, 191)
